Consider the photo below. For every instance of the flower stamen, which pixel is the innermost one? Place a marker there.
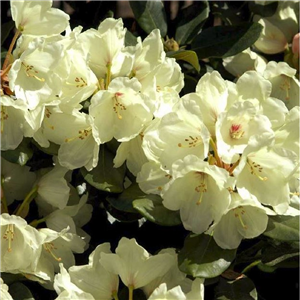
(49, 247)
(9, 236)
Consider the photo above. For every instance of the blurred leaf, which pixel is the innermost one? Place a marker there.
(263, 9)
(20, 155)
(105, 177)
(9, 278)
(190, 84)
(186, 55)
(150, 15)
(5, 30)
(224, 41)
(191, 20)
(283, 228)
(51, 150)
(274, 255)
(130, 39)
(240, 289)
(202, 257)
(19, 291)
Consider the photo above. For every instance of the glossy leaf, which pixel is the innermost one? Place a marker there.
(20, 155)
(283, 228)
(19, 291)
(130, 39)
(186, 55)
(241, 288)
(150, 15)
(202, 257)
(224, 41)
(191, 20)
(105, 177)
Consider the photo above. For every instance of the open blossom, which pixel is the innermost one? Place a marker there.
(38, 18)
(125, 110)
(21, 245)
(134, 264)
(199, 191)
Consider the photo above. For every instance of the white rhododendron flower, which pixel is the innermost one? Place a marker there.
(93, 278)
(135, 266)
(21, 245)
(67, 290)
(176, 135)
(236, 126)
(124, 109)
(263, 171)
(4, 294)
(199, 191)
(38, 18)
(12, 122)
(245, 218)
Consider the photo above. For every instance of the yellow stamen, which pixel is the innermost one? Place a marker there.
(190, 142)
(82, 134)
(30, 72)
(238, 212)
(255, 168)
(117, 105)
(9, 236)
(79, 82)
(49, 248)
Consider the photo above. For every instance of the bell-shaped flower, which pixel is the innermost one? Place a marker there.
(264, 171)
(125, 110)
(67, 290)
(172, 278)
(211, 97)
(113, 59)
(134, 264)
(12, 122)
(176, 135)
(199, 191)
(32, 76)
(53, 187)
(236, 126)
(271, 39)
(38, 17)
(93, 278)
(254, 87)
(244, 61)
(285, 86)
(245, 218)
(75, 133)
(21, 245)
(17, 181)
(4, 294)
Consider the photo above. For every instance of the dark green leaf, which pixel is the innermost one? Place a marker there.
(283, 228)
(150, 15)
(186, 55)
(273, 255)
(151, 207)
(224, 41)
(105, 177)
(5, 30)
(262, 9)
(190, 84)
(191, 20)
(20, 155)
(202, 257)
(19, 291)
(51, 150)
(130, 39)
(240, 289)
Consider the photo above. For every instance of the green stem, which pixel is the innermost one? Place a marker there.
(131, 288)
(108, 75)
(36, 222)
(115, 295)
(32, 194)
(3, 198)
(11, 46)
(255, 263)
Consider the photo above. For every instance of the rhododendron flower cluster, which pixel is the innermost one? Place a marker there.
(225, 157)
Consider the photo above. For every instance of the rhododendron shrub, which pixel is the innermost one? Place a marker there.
(157, 161)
